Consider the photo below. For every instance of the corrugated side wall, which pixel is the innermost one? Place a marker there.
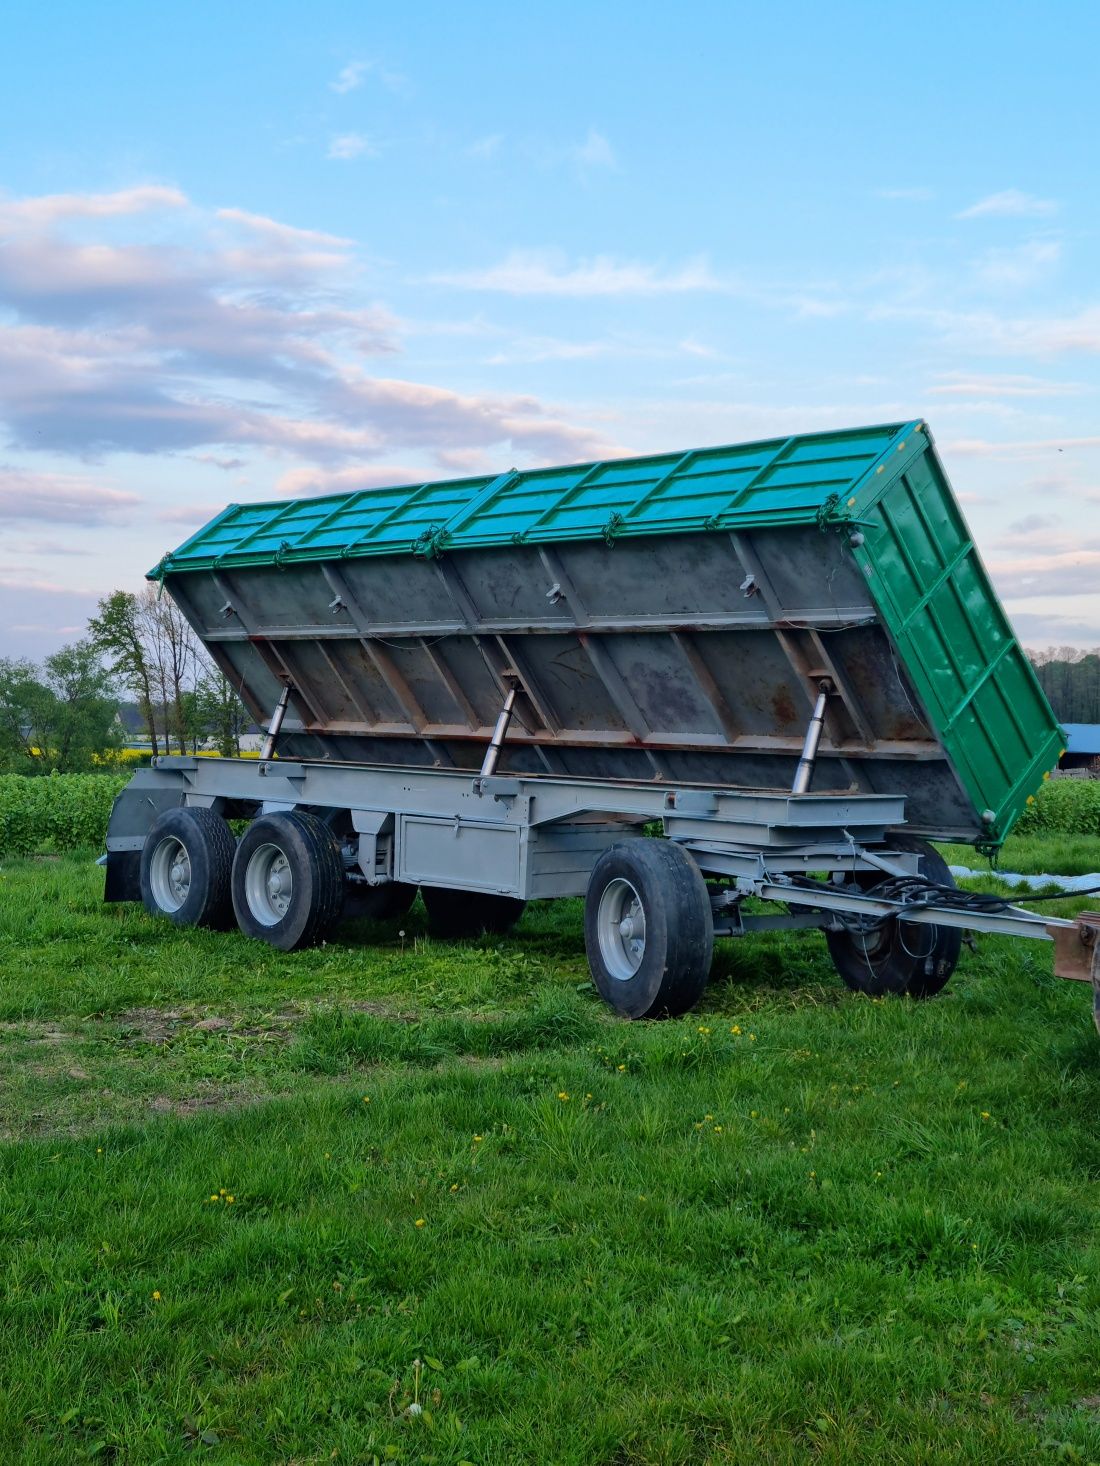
(955, 641)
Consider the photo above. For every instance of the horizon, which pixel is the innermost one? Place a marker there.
(349, 250)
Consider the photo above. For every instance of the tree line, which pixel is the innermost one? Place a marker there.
(1071, 680)
(64, 713)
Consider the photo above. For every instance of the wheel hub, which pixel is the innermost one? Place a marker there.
(170, 874)
(621, 928)
(269, 884)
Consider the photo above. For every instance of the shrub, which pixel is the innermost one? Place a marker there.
(57, 812)
(1063, 807)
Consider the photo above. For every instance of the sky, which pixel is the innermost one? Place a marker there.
(257, 251)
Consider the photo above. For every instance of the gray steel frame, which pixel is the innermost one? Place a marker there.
(539, 836)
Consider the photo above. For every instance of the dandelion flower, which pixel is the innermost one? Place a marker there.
(562, 1095)
(156, 1295)
(419, 1222)
(229, 1200)
(985, 1115)
(735, 1029)
(622, 1068)
(479, 1138)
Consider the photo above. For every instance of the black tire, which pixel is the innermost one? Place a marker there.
(660, 882)
(288, 881)
(902, 958)
(464, 915)
(378, 903)
(186, 864)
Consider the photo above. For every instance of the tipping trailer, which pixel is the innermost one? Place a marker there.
(786, 655)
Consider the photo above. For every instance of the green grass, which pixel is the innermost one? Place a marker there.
(1053, 853)
(795, 1226)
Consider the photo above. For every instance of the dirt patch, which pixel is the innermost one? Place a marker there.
(148, 1025)
(160, 1025)
(379, 1010)
(233, 1097)
(37, 1033)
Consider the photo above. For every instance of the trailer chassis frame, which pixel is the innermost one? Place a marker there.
(536, 836)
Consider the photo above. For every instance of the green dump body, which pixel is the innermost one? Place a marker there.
(667, 617)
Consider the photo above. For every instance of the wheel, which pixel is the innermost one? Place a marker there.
(463, 915)
(288, 880)
(648, 928)
(185, 868)
(378, 903)
(900, 957)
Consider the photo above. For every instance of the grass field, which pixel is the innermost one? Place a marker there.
(242, 1194)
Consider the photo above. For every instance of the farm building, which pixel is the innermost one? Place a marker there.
(1082, 748)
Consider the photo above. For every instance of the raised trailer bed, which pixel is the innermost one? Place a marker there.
(785, 658)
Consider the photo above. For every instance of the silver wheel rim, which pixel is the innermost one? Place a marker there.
(268, 884)
(170, 874)
(620, 924)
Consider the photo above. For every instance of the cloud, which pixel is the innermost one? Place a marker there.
(1042, 630)
(1001, 335)
(355, 73)
(49, 209)
(532, 349)
(39, 616)
(1012, 203)
(486, 147)
(1024, 264)
(913, 195)
(1070, 573)
(595, 151)
(302, 482)
(41, 498)
(466, 461)
(967, 384)
(349, 145)
(1030, 523)
(534, 273)
(195, 514)
(227, 465)
(350, 77)
(284, 234)
(48, 549)
(428, 416)
(1037, 448)
(218, 347)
